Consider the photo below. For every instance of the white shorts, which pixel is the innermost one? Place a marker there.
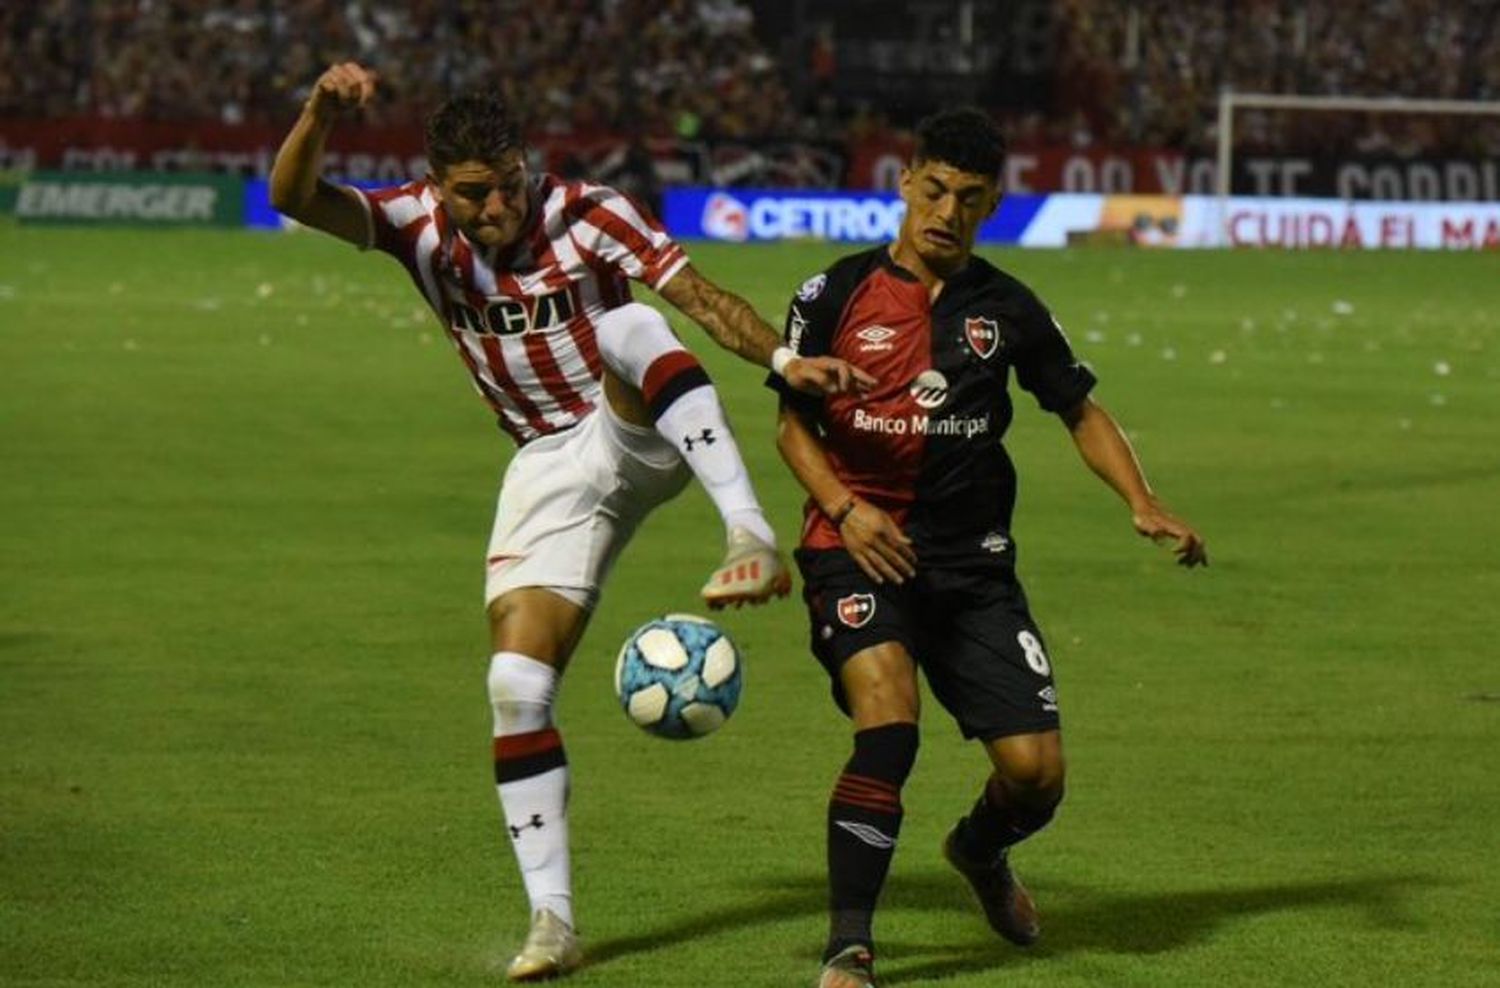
(570, 501)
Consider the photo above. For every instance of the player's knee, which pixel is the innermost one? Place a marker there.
(881, 700)
(1032, 772)
(631, 338)
(521, 692)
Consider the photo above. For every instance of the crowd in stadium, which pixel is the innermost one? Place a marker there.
(1145, 72)
(667, 66)
(1150, 72)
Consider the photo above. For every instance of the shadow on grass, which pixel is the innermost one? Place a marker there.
(1080, 918)
(778, 901)
(1076, 918)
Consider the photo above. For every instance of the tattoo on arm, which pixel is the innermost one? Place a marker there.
(726, 317)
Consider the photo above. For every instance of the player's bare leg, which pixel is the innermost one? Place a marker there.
(537, 622)
(752, 572)
(533, 632)
(1019, 799)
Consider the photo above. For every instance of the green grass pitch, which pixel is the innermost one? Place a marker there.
(244, 497)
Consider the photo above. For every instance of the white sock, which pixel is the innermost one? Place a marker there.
(531, 775)
(696, 425)
(639, 346)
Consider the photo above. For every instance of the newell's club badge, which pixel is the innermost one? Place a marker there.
(983, 335)
(856, 609)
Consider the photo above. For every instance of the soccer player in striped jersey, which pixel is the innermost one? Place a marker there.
(529, 275)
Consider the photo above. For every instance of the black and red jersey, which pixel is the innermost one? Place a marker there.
(925, 444)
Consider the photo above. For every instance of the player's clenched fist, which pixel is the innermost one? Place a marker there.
(346, 86)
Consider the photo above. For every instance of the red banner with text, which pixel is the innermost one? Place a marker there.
(392, 154)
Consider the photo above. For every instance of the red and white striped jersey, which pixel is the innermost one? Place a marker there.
(523, 317)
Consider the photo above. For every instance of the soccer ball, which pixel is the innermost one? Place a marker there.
(678, 676)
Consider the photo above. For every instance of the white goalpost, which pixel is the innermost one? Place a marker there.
(1229, 101)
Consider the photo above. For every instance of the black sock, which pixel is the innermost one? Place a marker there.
(1000, 820)
(864, 820)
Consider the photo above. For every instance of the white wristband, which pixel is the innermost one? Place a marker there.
(780, 357)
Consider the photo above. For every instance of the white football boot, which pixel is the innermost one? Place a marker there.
(852, 967)
(551, 950)
(752, 573)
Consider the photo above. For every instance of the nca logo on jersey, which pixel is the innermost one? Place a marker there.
(503, 315)
(983, 335)
(726, 218)
(856, 609)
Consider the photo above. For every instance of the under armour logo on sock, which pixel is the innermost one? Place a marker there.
(706, 437)
(535, 824)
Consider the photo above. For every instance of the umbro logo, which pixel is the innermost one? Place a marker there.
(706, 437)
(1048, 695)
(994, 542)
(873, 836)
(874, 338)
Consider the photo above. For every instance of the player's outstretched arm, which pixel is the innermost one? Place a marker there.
(736, 327)
(297, 187)
(873, 538)
(1108, 453)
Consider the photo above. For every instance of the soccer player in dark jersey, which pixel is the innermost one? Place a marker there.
(907, 555)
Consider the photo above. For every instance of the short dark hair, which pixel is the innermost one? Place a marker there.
(470, 127)
(965, 137)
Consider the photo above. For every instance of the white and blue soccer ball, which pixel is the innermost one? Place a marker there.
(678, 676)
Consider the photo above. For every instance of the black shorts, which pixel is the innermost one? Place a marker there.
(966, 625)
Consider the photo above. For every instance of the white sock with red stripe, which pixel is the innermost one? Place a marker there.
(531, 775)
(638, 345)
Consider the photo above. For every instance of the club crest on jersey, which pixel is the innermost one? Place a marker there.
(856, 609)
(983, 335)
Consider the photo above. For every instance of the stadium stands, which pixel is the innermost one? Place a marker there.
(1143, 73)
(664, 66)
(809, 93)
(1149, 72)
